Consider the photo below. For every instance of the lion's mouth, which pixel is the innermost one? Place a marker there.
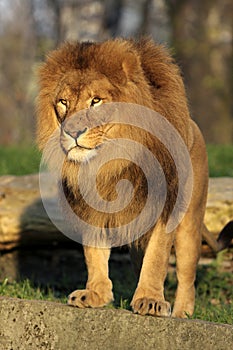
(80, 146)
(80, 153)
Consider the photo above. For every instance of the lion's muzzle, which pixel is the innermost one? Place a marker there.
(71, 139)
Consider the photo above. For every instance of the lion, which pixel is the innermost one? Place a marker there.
(84, 76)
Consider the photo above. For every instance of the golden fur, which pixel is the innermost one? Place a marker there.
(80, 75)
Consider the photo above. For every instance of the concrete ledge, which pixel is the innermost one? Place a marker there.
(29, 325)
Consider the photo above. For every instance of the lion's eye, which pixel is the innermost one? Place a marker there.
(61, 108)
(96, 101)
(63, 102)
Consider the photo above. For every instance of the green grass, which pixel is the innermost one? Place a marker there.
(26, 290)
(220, 160)
(20, 160)
(213, 292)
(24, 160)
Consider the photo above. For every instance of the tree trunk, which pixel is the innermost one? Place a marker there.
(202, 39)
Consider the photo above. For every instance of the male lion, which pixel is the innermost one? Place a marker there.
(79, 76)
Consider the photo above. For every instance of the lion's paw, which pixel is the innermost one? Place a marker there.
(146, 306)
(88, 298)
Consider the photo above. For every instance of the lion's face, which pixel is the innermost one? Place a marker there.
(81, 77)
(78, 141)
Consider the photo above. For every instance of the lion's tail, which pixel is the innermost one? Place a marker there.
(224, 239)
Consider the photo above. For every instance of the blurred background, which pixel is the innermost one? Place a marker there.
(198, 32)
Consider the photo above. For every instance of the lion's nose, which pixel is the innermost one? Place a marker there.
(71, 139)
(75, 134)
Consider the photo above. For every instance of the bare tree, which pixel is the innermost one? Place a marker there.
(77, 19)
(202, 38)
(16, 56)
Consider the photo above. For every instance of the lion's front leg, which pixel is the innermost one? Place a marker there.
(98, 290)
(149, 295)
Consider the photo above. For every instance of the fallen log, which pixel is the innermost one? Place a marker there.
(24, 221)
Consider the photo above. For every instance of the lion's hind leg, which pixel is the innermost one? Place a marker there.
(189, 232)
(188, 248)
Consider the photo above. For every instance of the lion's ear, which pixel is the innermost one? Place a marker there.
(131, 66)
